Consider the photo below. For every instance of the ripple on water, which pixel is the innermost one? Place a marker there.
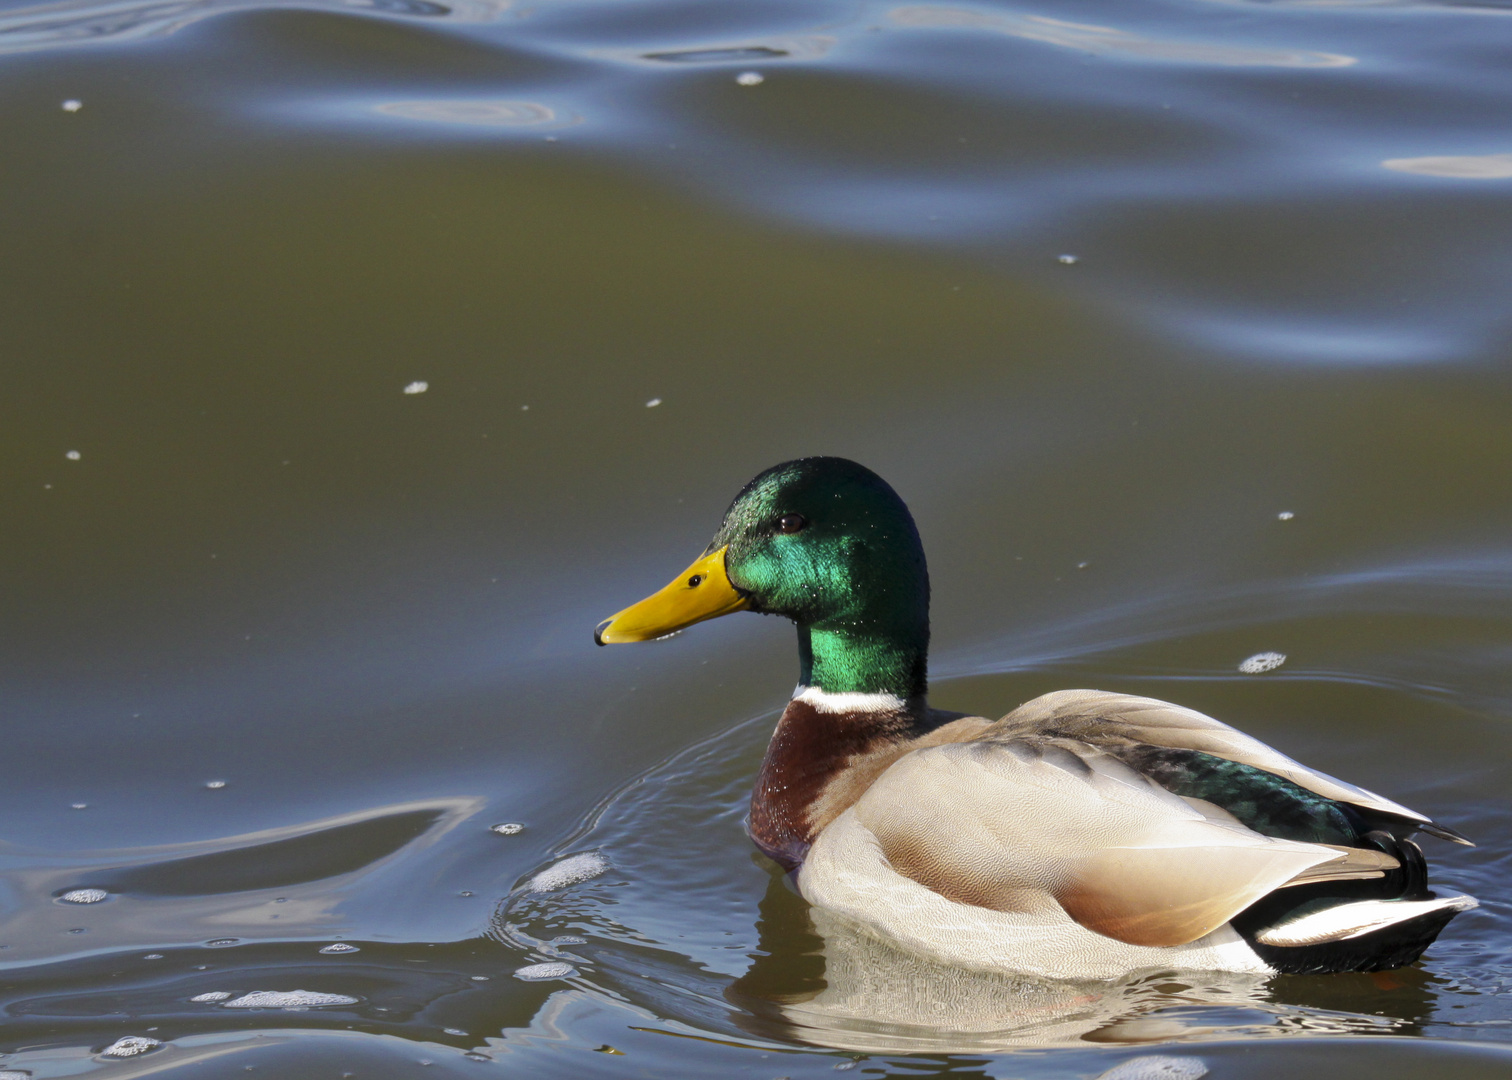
(71, 23)
(488, 113)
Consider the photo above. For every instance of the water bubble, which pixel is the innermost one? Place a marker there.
(465, 892)
(221, 942)
(215, 785)
(1285, 515)
(1262, 662)
(653, 403)
(473, 1055)
(79, 805)
(213, 995)
(153, 956)
(417, 387)
(570, 871)
(84, 896)
(480, 978)
(750, 78)
(1157, 1067)
(130, 1046)
(288, 999)
(1068, 260)
(507, 828)
(456, 1031)
(340, 947)
(73, 455)
(538, 972)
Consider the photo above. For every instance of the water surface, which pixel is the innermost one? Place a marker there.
(1104, 289)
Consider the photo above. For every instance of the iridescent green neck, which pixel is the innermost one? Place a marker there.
(870, 660)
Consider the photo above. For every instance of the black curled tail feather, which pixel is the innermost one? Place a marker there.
(1410, 879)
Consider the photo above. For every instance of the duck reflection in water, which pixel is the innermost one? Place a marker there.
(820, 979)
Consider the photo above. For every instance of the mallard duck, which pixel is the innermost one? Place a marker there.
(1083, 835)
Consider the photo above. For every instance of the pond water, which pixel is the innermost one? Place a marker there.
(359, 356)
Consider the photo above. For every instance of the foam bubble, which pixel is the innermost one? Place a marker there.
(1262, 662)
(340, 947)
(507, 828)
(1285, 515)
(419, 386)
(1068, 260)
(288, 999)
(750, 78)
(14, 1074)
(213, 995)
(73, 455)
(215, 785)
(130, 1046)
(653, 403)
(570, 871)
(84, 896)
(1157, 1067)
(538, 972)
(72, 105)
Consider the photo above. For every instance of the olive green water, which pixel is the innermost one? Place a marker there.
(369, 612)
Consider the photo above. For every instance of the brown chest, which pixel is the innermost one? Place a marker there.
(819, 763)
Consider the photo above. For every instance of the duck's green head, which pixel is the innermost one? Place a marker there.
(827, 543)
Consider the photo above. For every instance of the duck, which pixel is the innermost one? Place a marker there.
(1084, 835)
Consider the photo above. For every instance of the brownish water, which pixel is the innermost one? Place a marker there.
(369, 612)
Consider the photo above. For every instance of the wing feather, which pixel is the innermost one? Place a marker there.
(1096, 716)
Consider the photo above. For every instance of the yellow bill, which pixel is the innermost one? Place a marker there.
(702, 591)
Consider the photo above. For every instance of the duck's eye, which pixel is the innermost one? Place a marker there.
(791, 523)
(695, 581)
